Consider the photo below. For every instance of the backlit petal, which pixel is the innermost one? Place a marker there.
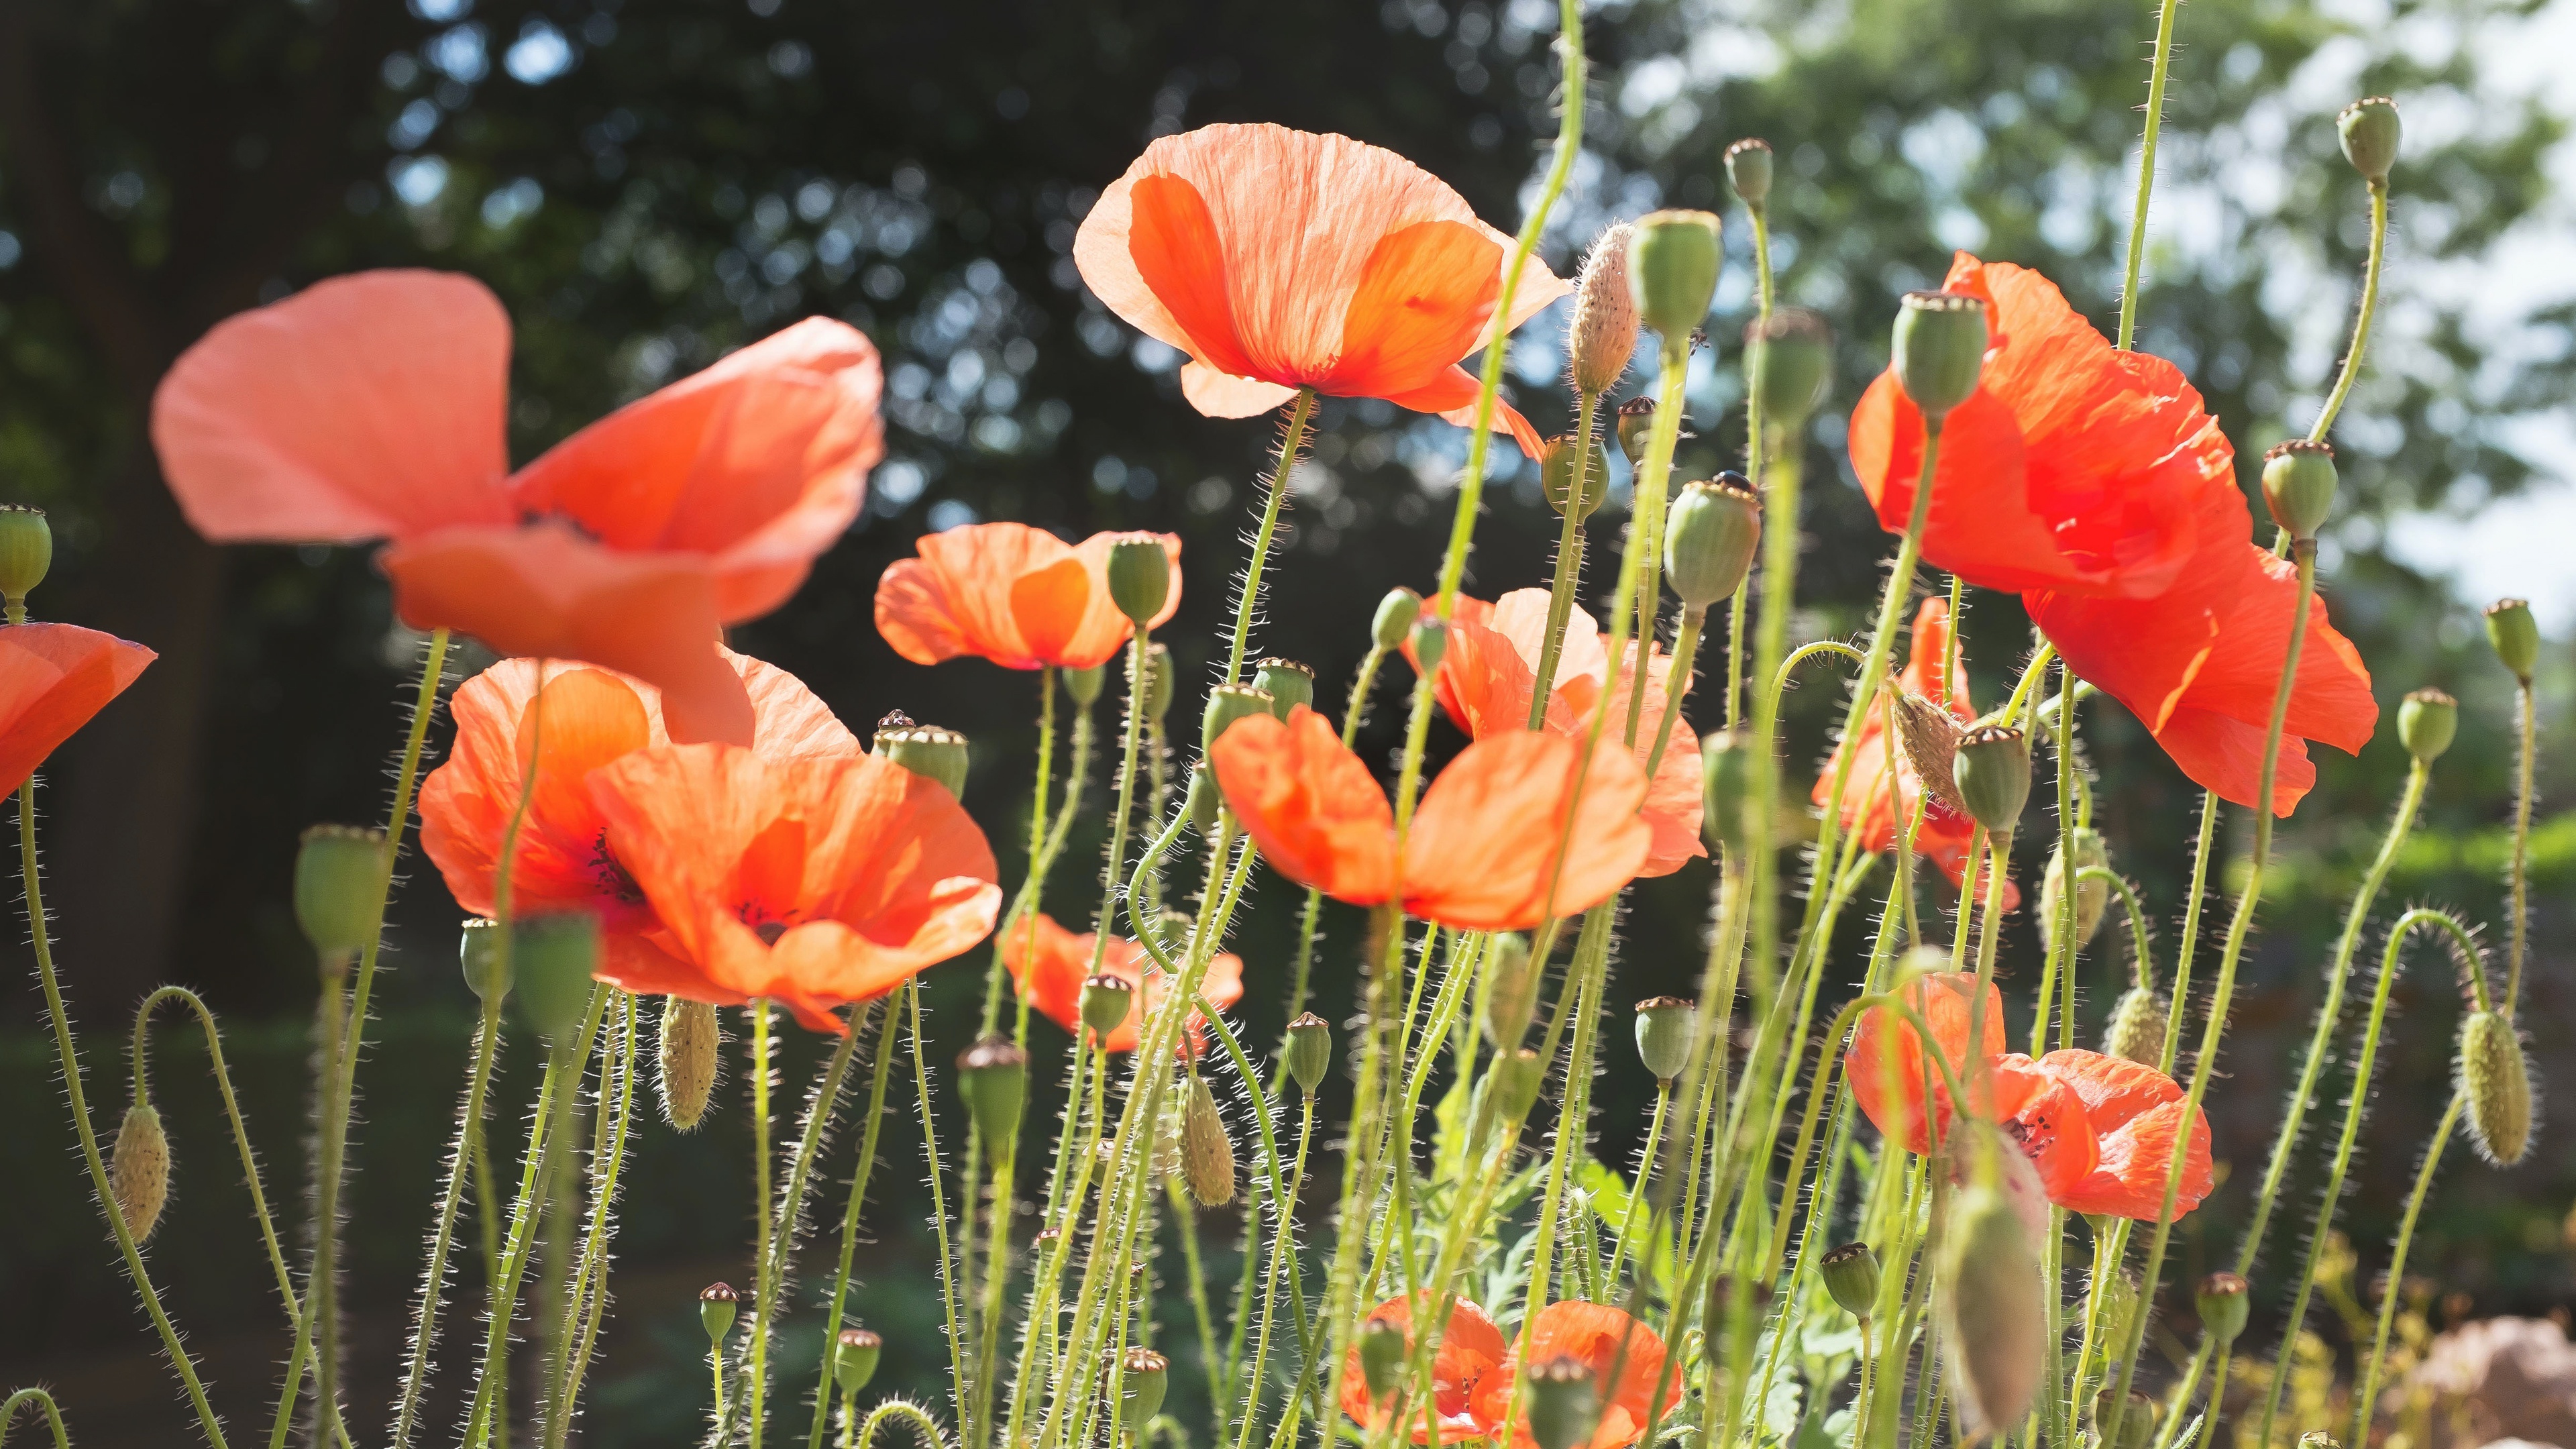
(1501, 840)
(1888, 1065)
(1311, 806)
(956, 599)
(53, 679)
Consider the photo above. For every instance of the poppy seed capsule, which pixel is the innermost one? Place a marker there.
(854, 1359)
(690, 1050)
(1517, 1078)
(1726, 789)
(339, 882)
(1992, 771)
(1673, 258)
(1851, 1275)
(26, 550)
(2427, 721)
(1556, 459)
(1790, 356)
(1287, 682)
(994, 1076)
(1748, 170)
(1993, 1330)
(2224, 1302)
(1143, 1375)
(1709, 539)
(1939, 350)
(1207, 1151)
(1664, 1028)
(2515, 635)
(485, 973)
(1227, 704)
(1395, 615)
(1140, 576)
(1084, 684)
(1162, 682)
(928, 751)
(138, 1170)
(1310, 1052)
(1603, 334)
(1509, 998)
(2137, 1425)
(2497, 1082)
(2299, 481)
(1106, 1000)
(1634, 420)
(1430, 643)
(2369, 131)
(1203, 800)
(2137, 1032)
(2092, 897)
(715, 1310)
(553, 958)
(1564, 1402)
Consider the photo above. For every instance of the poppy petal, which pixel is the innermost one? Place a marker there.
(1470, 1346)
(1491, 847)
(956, 598)
(1311, 806)
(53, 679)
(1887, 1062)
(1451, 397)
(1219, 395)
(1423, 302)
(2130, 1182)
(1180, 256)
(1597, 1336)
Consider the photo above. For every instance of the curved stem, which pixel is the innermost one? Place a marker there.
(232, 1115)
(1299, 412)
(922, 1424)
(2369, 1395)
(2361, 323)
(43, 1400)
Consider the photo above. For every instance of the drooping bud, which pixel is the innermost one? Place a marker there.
(1382, 1353)
(928, 751)
(2497, 1082)
(138, 1170)
(1940, 349)
(1140, 576)
(1310, 1051)
(1673, 258)
(1709, 539)
(26, 550)
(1518, 1075)
(1395, 615)
(994, 1076)
(1634, 420)
(1556, 459)
(1665, 1025)
(1287, 682)
(339, 882)
(1430, 643)
(2224, 1301)
(1992, 771)
(1851, 1275)
(2427, 721)
(2515, 635)
(716, 1309)
(2137, 1032)
(486, 974)
(1511, 989)
(2299, 481)
(1085, 684)
(553, 957)
(1143, 1375)
(1106, 1000)
(2369, 131)
(1789, 356)
(1203, 800)
(1207, 1151)
(2092, 897)
(1604, 331)
(1564, 1402)
(1994, 1332)
(1162, 681)
(691, 1053)
(1929, 736)
(1228, 703)
(1726, 789)
(854, 1359)
(1748, 169)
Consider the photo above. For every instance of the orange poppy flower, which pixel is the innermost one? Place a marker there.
(1049, 964)
(1483, 851)
(1492, 665)
(1469, 1349)
(2093, 481)
(1597, 1336)
(374, 406)
(53, 679)
(814, 882)
(1016, 595)
(1280, 259)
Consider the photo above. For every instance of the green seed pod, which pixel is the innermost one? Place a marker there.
(1634, 420)
(854, 1359)
(1203, 801)
(1673, 259)
(1510, 989)
(1310, 1051)
(1726, 789)
(2224, 1301)
(1790, 358)
(1851, 1276)
(1518, 1076)
(1140, 576)
(1207, 1151)
(1162, 681)
(1748, 170)
(2369, 132)
(1940, 348)
(716, 1309)
(1383, 1348)
(2299, 482)
(1564, 1402)
(1430, 643)
(1287, 682)
(2092, 897)
(1228, 703)
(2427, 721)
(928, 751)
(1992, 772)
(1603, 332)
(2515, 635)
(1993, 1331)
(691, 1054)
(1665, 1025)
(2497, 1082)
(2137, 1032)
(1106, 1001)
(138, 1170)
(1556, 459)
(486, 974)
(1709, 539)
(26, 550)
(2137, 1426)
(339, 885)
(1143, 1375)
(553, 957)
(1395, 615)
(994, 1076)
(1085, 684)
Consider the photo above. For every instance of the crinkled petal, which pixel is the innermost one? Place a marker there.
(1311, 806)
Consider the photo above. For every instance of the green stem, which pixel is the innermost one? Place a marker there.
(232, 1115)
(2520, 876)
(994, 971)
(433, 1284)
(1561, 591)
(41, 1399)
(1677, 683)
(2369, 1395)
(589, 1298)
(2361, 323)
(938, 1201)
(755, 1393)
(850, 1213)
(922, 1424)
(1637, 1193)
(2146, 169)
(1299, 412)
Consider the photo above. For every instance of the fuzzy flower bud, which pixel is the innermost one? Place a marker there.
(1207, 1151)
(1939, 350)
(2369, 131)
(1929, 736)
(690, 1052)
(1395, 615)
(1557, 458)
(1851, 1276)
(1564, 1402)
(1993, 1331)
(138, 1170)
(2224, 1302)
(1140, 576)
(1604, 330)
(26, 550)
(2092, 897)
(338, 884)
(2427, 721)
(2299, 482)
(928, 751)
(854, 1359)
(1748, 169)
(1992, 772)
(2137, 1031)
(1143, 1375)
(716, 1309)
(1287, 682)
(1106, 1000)
(994, 1076)
(2497, 1082)
(1310, 1051)
(1665, 1025)
(1673, 260)
(2515, 635)
(1789, 356)
(1085, 684)
(1709, 539)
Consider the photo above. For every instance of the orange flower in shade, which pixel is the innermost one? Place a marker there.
(1596, 1335)
(1049, 964)
(814, 882)
(374, 406)
(2093, 482)
(2099, 1131)
(1281, 259)
(53, 679)
(1483, 852)
(1492, 665)
(1469, 1348)
(1872, 809)
(1016, 595)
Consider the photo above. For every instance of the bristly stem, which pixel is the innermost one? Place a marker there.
(1038, 860)
(2146, 169)
(232, 1115)
(1300, 413)
(832, 1314)
(2369, 1395)
(755, 1389)
(41, 1399)
(938, 1205)
(2520, 880)
(433, 1286)
(2361, 323)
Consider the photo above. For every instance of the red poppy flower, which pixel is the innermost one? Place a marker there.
(1016, 595)
(1280, 259)
(53, 678)
(1597, 1336)
(1874, 811)
(2093, 481)
(1492, 665)
(1483, 851)
(1469, 1349)
(1049, 964)
(374, 406)
(814, 882)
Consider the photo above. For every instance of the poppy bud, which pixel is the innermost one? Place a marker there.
(1929, 736)
(1140, 576)
(1517, 1077)
(1510, 988)
(2092, 897)
(928, 751)
(339, 882)
(1287, 682)
(1226, 704)
(1726, 789)
(2515, 635)
(1430, 643)
(1709, 539)
(1556, 459)
(2224, 1302)
(1940, 349)
(1673, 257)
(2137, 1031)
(2497, 1083)
(1207, 1152)
(994, 1075)
(1664, 1028)
(1162, 682)
(1310, 1051)
(1604, 331)
(1748, 169)
(2369, 132)
(2319, 1439)
(1992, 771)
(690, 1052)
(1395, 615)
(1994, 1332)
(26, 550)
(1790, 356)
(854, 1359)
(1106, 1000)
(1142, 1377)
(553, 957)
(138, 1170)
(2137, 1426)
(715, 1310)
(1382, 1353)
(1203, 801)
(1634, 420)
(1851, 1275)
(2426, 722)
(1564, 1402)
(1084, 684)
(486, 974)
(2299, 486)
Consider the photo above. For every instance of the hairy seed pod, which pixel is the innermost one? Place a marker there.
(553, 958)
(1993, 1331)
(2497, 1082)
(994, 1077)
(1085, 684)
(26, 550)
(1564, 1402)
(1383, 1346)
(692, 1043)
(1939, 349)
(1204, 800)
(1603, 332)
(2299, 483)
(1726, 789)
(1517, 1078)
(854, 1359)
(1673, 261)
(1143, 1376)
(1287, 682)
(339, 881)
(1140, 575)
(2092, 897)
(2427, 721)
(1227, 706)
(2137, 1031)
(1634, 420)
(486, 974)
(1510, 989)
(1929, 736)
(1665, 1025)
(1788, 360)
(928, 751)
(1992, 771)
(1207, 1152)
(1710, 537)
(1105, 1002)
(1310, 1051)
(1748, 170)
(2137, 1426)
(2369, 131)
(1557, 458)
(1162, 681)
(2515, 634)
(138, 1170)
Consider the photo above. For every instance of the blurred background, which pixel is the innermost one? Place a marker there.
(649, 183)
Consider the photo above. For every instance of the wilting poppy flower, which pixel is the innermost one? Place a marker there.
(814, 882)
(374, 406)
(1597, 1336)
(1485, 682)
(2092, 481)
(1049, 964)
(1280, 259)
(1483, 851)
(1016, 595)
(1469, 1348)
(53, 679)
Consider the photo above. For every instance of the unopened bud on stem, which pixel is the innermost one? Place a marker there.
(2427, 721)
(1939, 350)
(2497, 1082)
(691, 1052)
(1673, 260)
(2299, 482)
(2370, 132)
(1207, 1151)
(1395, 615)
(2092, 897)
(1604, 330)
(2137, 1031)
(1748, 170)
(138, 1170)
